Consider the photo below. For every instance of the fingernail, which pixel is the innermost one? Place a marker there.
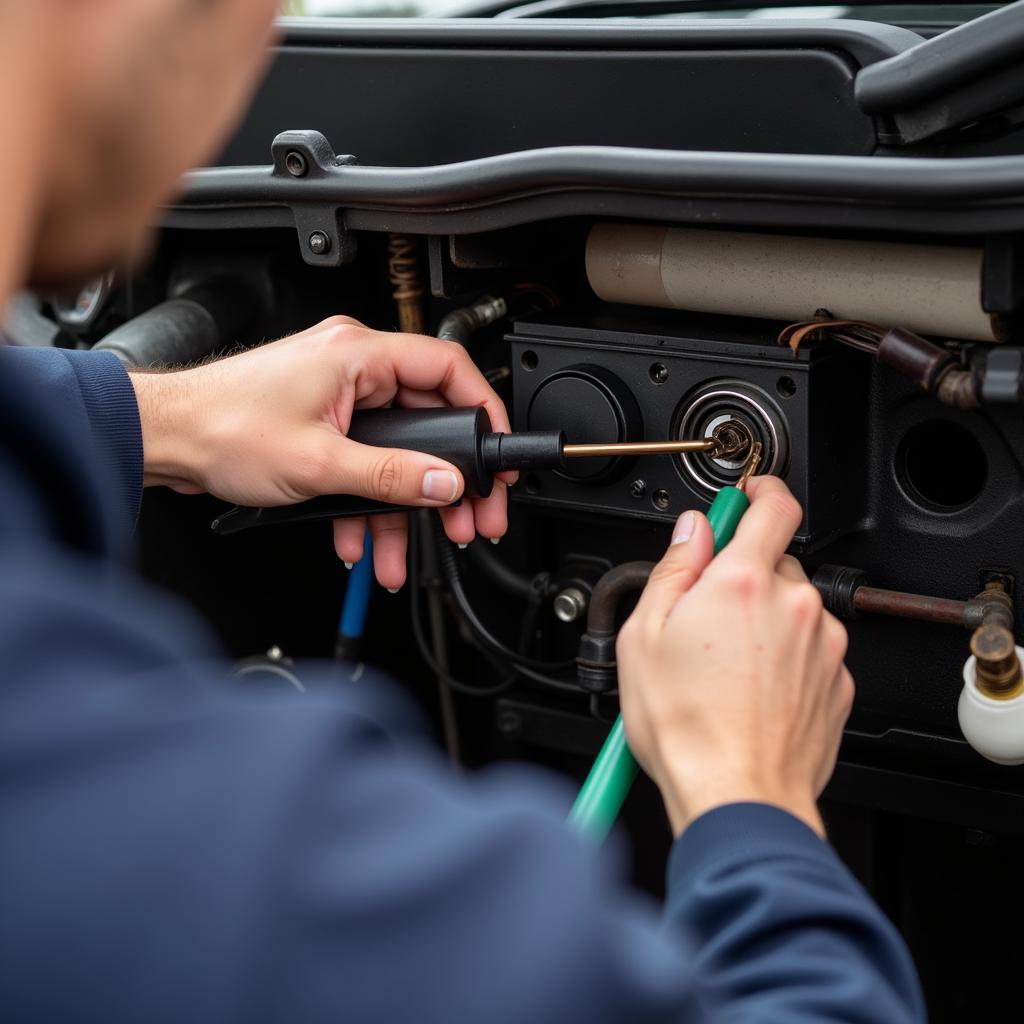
(394, 590)
(440, 485)
(684, 528)
(348, 565)
(462, 547)
(495, 540)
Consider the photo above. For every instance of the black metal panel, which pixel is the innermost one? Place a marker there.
(421, 98)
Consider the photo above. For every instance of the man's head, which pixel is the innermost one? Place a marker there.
(142, 90)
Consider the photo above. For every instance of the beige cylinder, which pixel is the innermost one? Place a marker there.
(932, 289)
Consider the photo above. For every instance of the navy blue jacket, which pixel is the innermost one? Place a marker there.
(173, 849)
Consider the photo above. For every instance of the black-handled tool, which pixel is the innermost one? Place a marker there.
(464, 438)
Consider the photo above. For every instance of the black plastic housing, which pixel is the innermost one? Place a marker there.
(816, 394)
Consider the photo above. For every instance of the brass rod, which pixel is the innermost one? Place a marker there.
(753, 461)
(586, 451)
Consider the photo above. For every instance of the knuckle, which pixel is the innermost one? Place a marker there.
(847, 693)
(805, 603)
(384, 476)
(745, 580)
(837, 638)
(340, 320)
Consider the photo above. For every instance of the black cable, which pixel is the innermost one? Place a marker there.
(522, 662)
(472, 690)
(500, 574)
(468, 689)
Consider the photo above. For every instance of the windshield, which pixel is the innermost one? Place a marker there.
(910, 15)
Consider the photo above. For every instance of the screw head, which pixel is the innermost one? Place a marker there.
(319, 243)
(638, 488)
(570, 604)
(661, 499)
(659, 373)
(295, 163)
(509, 724)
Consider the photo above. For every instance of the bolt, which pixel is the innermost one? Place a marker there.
(659, 373)
(295, 163)
(661, 500)
(638, 488)
(509, 724)
(978, 837)
(570, 604)
(319, 243)
(275, 653)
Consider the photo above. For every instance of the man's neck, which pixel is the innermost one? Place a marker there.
(28, 85)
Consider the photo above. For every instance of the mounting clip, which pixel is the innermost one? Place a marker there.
(324, 241)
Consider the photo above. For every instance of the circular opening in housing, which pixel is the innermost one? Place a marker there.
(658, 373)
(720, 402)
(529, 360)
(786, 387)
(941, 465)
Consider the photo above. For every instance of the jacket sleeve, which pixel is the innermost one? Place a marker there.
(186, 850)
(89, 395)
(781, 930)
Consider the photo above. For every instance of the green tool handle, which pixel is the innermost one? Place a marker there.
(608, 783)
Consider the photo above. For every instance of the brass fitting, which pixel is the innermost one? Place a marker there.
(997, 667)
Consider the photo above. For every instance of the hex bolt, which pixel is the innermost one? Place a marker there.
(319, 243)
(662, 499)
(296, 164)
(659, 373)
(570, 604)
(638, 488)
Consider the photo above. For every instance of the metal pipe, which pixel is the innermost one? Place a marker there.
(909, 606)
(609, 590)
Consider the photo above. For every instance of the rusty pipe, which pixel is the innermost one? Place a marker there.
(846, 593)
(596, 666)
(909, 606)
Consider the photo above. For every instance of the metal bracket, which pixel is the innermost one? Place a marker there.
(324, 241)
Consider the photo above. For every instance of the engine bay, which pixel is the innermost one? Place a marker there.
(640, 234)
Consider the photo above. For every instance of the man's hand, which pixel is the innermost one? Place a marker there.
(267, 427)
(731, 673)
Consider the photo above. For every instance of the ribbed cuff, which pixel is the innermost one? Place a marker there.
(114, 418)
(738, 833)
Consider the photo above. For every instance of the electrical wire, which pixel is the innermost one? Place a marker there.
(450, 569)
(419, 635)
(499, 658)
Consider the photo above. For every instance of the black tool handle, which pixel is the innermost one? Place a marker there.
(454, 435)
(462, 437)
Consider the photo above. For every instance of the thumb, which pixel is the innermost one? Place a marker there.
(394, 475)
(691, 550)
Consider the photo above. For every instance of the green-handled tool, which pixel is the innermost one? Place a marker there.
(609, 781)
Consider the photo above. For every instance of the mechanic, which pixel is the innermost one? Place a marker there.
(176, 850)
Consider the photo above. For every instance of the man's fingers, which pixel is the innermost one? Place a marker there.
(393, 475)
(691, 550)
(349, 539)
(427, 364)
(458, 523)
(390, 541)
(491, 513)
(767, 528)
